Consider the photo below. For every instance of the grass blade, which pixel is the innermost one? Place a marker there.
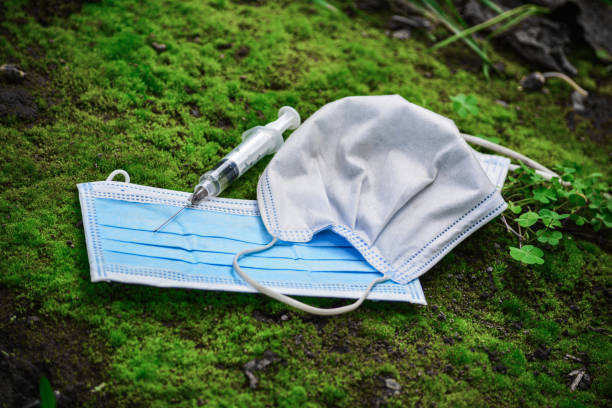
(516, 20)
(440, 16)
(492, 6)
(492, 21)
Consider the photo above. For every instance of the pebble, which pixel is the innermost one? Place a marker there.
(193, 111)
(502, 103)
(391, 384)
(402, 34)
(70, 244)
(159, 47)
(12, 73)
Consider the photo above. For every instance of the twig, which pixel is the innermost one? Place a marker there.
(570, 357)
(510, 229)
(577, 380)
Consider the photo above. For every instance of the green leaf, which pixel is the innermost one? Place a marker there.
(544, 195)
(549, 237)
(528, 219)
(578, 220)
(528, 254)
(465, 105)
(47, 397)
(577, 199)
(551, 219)
(516, 209)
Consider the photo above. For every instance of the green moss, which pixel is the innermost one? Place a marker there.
(108, 100)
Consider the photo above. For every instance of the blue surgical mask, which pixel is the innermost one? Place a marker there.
(196, 250)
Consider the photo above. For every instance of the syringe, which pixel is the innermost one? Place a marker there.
(256, 143)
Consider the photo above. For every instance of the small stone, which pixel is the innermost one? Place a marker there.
(442, 316)
(502, 103)
(532, 82)
(193, 111)
(402, 34)
(500, 66)
(243, 77)
(159, 47)
(70, 244)
(391, 384)
(284, 318)
(11, 73)
(79, 224)
(500, 368)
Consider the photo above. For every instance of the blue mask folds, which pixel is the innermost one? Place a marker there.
(197, 248)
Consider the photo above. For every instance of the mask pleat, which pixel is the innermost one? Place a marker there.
(226, 271)
(208, 238)
(225, 258)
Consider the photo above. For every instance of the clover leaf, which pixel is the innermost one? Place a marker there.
(528, 254)
(578, 220)
(551, 219)
(578, 200)
(465, 105)
(544, 195)
(516, 209)
(528, 219)
(549, 237)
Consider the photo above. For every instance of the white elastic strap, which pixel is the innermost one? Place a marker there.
(292, 302)
(545, 175)
(512, 154)
(114, 173)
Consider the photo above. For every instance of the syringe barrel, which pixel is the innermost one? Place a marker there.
(256, 143)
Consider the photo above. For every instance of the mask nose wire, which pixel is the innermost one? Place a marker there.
(290, 301)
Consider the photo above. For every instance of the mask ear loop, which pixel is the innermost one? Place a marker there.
(539, 168)
(290, 301)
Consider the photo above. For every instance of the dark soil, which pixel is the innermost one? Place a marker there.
(599, 111)
(16, 101)
(34, 345)
(46, 10)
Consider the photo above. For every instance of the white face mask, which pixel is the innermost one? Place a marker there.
(396, 180)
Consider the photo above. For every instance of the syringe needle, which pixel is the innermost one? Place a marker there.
(170, 219)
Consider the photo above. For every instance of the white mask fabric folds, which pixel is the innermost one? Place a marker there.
(397, 181)
(196, 250)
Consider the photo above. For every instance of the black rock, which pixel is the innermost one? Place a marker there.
(539, 40)
(409, 21)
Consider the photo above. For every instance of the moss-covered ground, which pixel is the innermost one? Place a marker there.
(495, 333)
